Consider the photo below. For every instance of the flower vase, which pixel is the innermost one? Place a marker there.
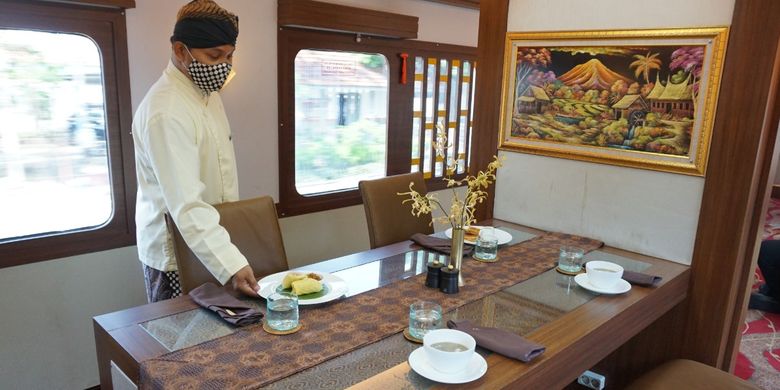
(456, 253)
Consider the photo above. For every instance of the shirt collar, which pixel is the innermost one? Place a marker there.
(185, 84)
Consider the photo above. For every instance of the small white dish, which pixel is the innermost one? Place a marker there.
(475, 369)
(336, 286)
(502, 236)
(619, 288)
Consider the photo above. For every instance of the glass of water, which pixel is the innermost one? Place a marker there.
(282, 311)
(487, 245)
(424, 317)
(570, 259)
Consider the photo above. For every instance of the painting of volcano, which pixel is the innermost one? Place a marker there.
(591, 75)
(637, 96)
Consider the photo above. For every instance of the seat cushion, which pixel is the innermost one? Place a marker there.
(689, 375)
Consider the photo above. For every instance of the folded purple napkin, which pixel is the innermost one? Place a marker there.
(227, 306)
(499, 341)
(443, 245)
(641, 279)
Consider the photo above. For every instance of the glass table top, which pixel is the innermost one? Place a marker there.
(521, 309)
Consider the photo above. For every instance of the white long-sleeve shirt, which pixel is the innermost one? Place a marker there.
(185, 163)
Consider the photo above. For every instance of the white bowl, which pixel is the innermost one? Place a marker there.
(603, 274)
(448, 362)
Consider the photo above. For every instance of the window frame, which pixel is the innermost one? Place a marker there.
(400, 107)
(107, 28)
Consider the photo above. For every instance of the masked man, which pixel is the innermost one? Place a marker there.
(184, 155)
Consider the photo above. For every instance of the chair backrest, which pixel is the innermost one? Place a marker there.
(390, 220)
(253, 228)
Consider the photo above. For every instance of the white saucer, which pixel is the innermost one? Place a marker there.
(476, 368)
(619, 288)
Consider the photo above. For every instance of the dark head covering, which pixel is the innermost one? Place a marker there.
(203, 23)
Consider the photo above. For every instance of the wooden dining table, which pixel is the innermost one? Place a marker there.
(579, 328)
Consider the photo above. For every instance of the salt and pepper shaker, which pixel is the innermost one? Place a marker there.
(448, 281)
(434, 274)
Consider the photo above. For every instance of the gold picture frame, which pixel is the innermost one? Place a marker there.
(636, 98)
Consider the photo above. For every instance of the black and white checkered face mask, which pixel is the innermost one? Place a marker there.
(209, 78)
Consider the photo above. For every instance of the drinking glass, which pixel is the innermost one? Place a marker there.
(282, 311)
(486, 248)
(570, 259)
(424, 317)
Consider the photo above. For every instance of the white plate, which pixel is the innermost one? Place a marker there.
(476, 368)
(502, 236)
(619, 288)
(337, 287)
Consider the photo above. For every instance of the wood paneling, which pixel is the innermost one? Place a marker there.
(100, 3)
(473, 4)
(756, 223)
(724, 251)
(487, 106)
(658, 343)
(333, 17)
(104, 355)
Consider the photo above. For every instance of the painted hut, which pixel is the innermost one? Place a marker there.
(533, 101)
(628, 104)
(675, 99)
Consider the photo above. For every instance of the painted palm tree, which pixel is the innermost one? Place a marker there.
(644, 64)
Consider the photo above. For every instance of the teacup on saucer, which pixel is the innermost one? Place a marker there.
(448, 350)
(603, 274)
(475, 369)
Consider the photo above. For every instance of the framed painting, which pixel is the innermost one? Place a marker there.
(637, 98)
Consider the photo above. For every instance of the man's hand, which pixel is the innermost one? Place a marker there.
(244, 281)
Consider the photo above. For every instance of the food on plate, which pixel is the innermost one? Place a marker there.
(290, 277)
(306, 286)
(471, 233)
(302, 283)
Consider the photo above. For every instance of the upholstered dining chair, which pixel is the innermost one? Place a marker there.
(389, 220)
(253, 228)
(689, 375)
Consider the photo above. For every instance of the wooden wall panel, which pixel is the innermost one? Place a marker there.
(460, 3)
(333, 17)
(724, 252)
(487, 105)
(101, 3)
(764, 182)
